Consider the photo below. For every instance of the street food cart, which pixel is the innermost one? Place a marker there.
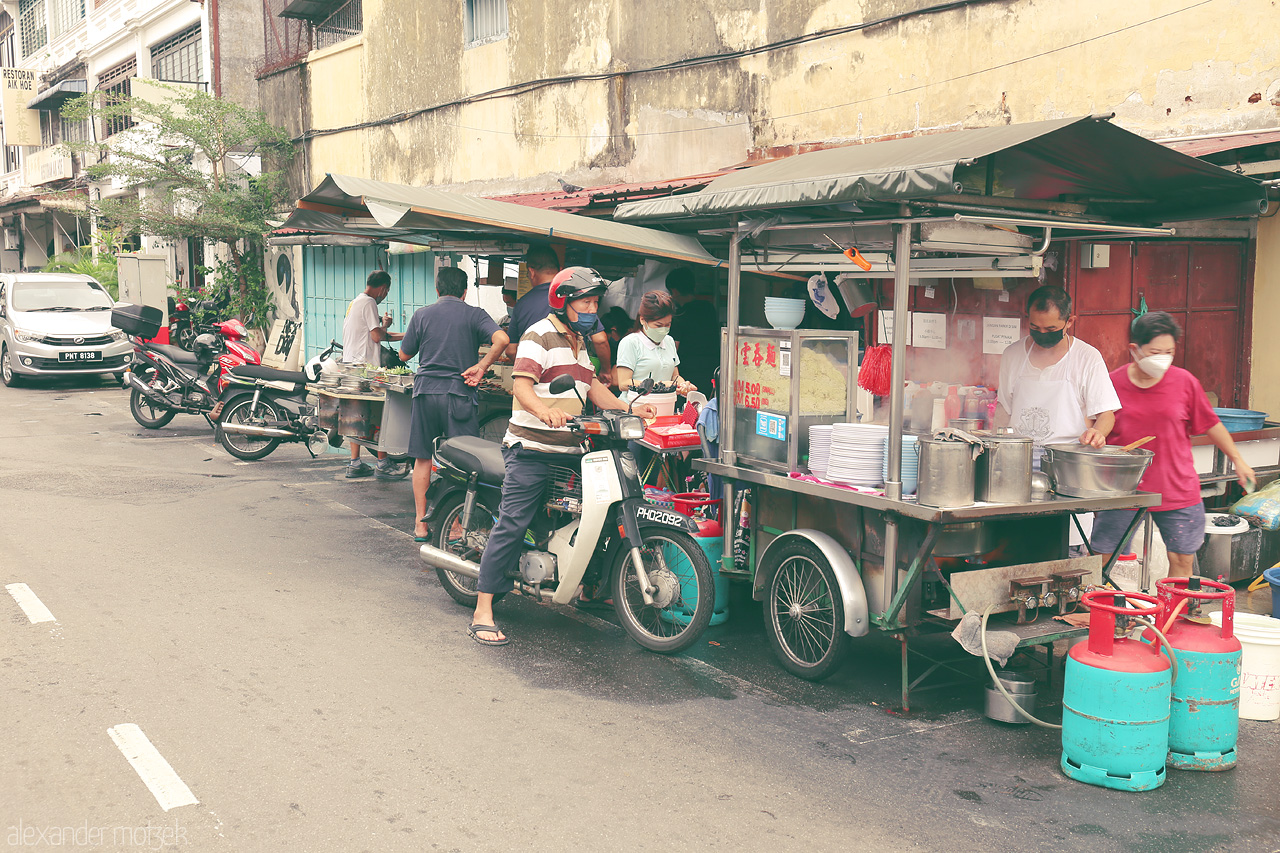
(833, 563)
(368, 409)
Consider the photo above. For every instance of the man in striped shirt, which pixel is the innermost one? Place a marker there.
(537, 436)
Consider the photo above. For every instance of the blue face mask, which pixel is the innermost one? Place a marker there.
(584, 324)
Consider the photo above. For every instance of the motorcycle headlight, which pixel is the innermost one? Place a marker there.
(27, 337)
(631, 427)
(117, 335)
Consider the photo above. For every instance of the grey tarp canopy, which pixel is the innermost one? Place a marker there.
(1086, 159)
(383, 211)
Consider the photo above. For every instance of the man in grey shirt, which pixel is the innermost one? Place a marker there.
(446, 337)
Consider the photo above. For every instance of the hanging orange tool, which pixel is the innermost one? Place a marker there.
(853, 255)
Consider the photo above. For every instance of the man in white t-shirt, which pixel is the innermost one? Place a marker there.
(363, 332)
(1054, 387)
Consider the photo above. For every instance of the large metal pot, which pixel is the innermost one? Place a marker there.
(1080, 471)
(1003, 474)
(946, 474)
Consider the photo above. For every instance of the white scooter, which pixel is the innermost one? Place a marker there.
(596, 529)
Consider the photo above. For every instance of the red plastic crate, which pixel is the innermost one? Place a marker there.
(672, 435)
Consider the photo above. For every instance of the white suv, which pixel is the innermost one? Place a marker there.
(56, 324)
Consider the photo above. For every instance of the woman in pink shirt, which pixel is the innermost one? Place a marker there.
(1167, 402)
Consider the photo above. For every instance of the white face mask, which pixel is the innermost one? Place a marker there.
(1155, 365)
(657, 333)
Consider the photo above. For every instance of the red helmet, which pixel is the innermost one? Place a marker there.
(574, 283)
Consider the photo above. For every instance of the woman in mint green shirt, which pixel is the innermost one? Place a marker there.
(650, 353)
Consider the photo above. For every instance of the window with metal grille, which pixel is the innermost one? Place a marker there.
(8, 46)
(177, 58)
(12, 158)
(484, 20)
(32, 25)
(64, 15)
(347, 22)
(115, 83)
(49, 127)
(75, 131)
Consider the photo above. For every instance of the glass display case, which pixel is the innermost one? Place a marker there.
(787, 381)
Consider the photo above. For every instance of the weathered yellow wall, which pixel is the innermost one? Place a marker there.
(337, 83)
(1211, 69)
(1264, 388)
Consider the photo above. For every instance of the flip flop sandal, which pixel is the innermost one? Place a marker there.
(600, 604)
(476, 630)
(421, 538)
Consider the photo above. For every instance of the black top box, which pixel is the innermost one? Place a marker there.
(141, 320)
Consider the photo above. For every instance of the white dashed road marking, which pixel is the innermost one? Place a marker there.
(32, 606)
(169, 791)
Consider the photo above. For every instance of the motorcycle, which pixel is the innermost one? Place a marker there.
(165, 380)
(262, 408)
(596, 529)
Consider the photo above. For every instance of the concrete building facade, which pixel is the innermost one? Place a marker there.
(494, 97)
(53, 50)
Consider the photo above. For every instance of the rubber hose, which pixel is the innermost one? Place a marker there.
(986, 657)
(1164, 647)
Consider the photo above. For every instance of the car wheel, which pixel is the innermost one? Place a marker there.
(7, 373)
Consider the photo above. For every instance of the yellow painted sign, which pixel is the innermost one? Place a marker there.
(21, 125)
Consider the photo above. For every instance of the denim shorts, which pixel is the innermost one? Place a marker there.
(1181, 529)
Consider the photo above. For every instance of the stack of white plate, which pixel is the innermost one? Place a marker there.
(819, 450)
(857, 454)
(910, 463)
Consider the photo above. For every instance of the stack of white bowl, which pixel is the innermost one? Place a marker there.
(784, 313)
(857, 454)
(819, 450)
(910, 463)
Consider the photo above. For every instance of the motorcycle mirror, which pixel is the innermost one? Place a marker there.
(643, 388)
(563, 383)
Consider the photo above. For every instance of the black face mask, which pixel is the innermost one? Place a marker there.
(1048, 340)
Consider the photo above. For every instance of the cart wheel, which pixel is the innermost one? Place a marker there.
(804, 613)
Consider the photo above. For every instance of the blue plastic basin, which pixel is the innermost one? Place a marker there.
(1241, 420)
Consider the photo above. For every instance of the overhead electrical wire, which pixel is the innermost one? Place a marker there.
(533, 85)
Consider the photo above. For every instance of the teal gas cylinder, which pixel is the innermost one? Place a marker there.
(1115, 701)
(1204, 719)
(710, 539)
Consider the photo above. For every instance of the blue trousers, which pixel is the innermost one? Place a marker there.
(524, 492)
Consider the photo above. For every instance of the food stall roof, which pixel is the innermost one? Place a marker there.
(1081, 158)
(359, 207)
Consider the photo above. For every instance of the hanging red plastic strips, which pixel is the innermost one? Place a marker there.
(875, 373)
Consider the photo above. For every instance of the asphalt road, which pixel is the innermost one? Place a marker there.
(298, 683)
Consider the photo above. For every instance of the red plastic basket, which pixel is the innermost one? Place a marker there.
(675, 435)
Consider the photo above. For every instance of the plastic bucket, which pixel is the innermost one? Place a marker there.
(1273, 577)
(1259, 638)
(664, 403)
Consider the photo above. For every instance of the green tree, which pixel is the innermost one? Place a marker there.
(185, 160)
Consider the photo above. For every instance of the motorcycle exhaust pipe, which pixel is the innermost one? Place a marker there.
(147, 391)
(261, 432)
(438, 559)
